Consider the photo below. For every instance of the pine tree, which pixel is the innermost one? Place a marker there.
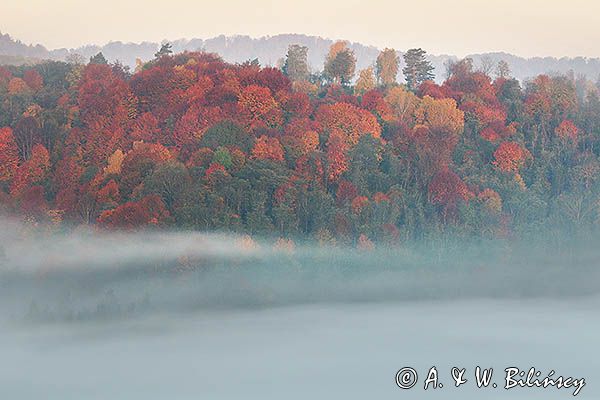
(417, 69)
(165, 50)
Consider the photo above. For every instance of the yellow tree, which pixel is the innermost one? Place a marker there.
(440, 114)
(336, 48)
(114, 163)
(365, 82)
(403, 104)
(387, 66)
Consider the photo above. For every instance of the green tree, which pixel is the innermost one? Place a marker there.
(223, 157)
(257, 220)
(340, 64)
(165, 50)
(227, 134)
(169, 180)
(417, 69)
(98, 59)
(364, 171)
(296, 63)
(315, 209)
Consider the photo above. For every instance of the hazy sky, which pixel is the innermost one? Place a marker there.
(523, 27)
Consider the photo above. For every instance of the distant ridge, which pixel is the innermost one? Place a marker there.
(270, 49)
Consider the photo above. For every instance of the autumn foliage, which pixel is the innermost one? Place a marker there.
(510, 157)
(148, 211)
(9, 154)
(191, 141)
(349, 120)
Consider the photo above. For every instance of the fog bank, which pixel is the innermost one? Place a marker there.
(155, 315)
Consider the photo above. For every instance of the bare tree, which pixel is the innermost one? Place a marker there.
(503, 69)
(487, 65)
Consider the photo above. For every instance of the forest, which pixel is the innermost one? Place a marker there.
(188, 141)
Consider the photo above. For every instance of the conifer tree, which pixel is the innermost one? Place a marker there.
(417, 69)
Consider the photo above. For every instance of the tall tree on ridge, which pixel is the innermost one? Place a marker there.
(386, 66)
(165, 50)
(417, 69)
(340, 63)
(296, 63)
(503, 69)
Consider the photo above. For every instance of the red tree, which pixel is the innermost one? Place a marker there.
(349, 120)
(258, 108)
(567, 130)
(448, 190)
(267, 148)
(9, 154)
(33, 79)
(32, 171)
(337, 160)
(510, 157)
(150, 211)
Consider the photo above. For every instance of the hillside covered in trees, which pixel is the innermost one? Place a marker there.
(190, 141)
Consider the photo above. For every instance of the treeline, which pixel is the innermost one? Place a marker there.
(269, 50)
(190, 141)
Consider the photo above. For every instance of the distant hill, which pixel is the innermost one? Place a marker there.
(17, 49)
(270, 49)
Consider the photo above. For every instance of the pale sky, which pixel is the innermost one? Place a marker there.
(522, 27)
